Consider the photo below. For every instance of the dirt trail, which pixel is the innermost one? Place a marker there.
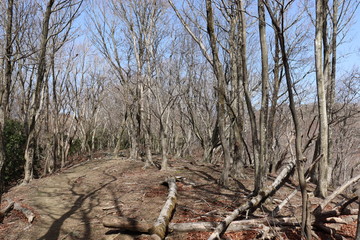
(71, 205)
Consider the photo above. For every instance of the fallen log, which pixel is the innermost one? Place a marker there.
(288, 198)
(133, 225)
(27, 212)
(235, 226)
(318, 210)
(6, 210)
(126, 224)
(254, 202)
(339, 210)
(321, 215)
(159, 228)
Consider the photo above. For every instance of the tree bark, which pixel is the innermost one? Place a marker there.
(133, 225)
(164, 143)
(330, 96)
(321, 73)
(357, 237)
(235, 226)
(27, 212)
(160, 226)
(126, 224)
(221, 94)
(263, 154)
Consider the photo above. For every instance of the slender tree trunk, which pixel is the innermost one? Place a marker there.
(2, 149)
(208, 152)
(221, 91)
(37, 96)
(331, 86)
(5, 85)
(321, 74)
(5, 92)
(236, 118)
(134, 148)
(300, 158)
(163, 142)
(147, 131)
(264, 97)
(29, 157)
(274, 98)
(245, 83)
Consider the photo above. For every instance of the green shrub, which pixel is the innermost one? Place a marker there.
(75, 147)
(14, 142)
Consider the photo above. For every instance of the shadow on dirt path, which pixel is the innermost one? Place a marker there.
(54, 230)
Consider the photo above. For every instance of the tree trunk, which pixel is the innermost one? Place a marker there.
(29, 159)
(331, 86)
(221, 94)
(274, 98)
(37, 96)
(8, 69)
(163, 142)
(134, 147)
(264, 95)
(245, 84)
(357, 237)
(5, 85)
(321, 73)
(300, 158)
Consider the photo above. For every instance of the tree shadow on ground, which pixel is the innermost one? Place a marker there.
(208, 177)
(55, 228)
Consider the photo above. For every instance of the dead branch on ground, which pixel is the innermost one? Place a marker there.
(255, 201)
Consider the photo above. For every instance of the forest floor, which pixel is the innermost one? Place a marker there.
(72, 203)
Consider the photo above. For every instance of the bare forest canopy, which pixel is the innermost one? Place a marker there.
(259, 84)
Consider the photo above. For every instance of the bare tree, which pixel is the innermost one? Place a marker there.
(321, 76)
(300, 158)
(264, 98)
(41, 73)
(221, 85)
(5, 83)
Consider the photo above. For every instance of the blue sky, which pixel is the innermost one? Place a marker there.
(349, 51)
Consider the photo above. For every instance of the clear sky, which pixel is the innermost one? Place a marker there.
(349, 51)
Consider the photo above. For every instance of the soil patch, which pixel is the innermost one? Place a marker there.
(71, 204)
